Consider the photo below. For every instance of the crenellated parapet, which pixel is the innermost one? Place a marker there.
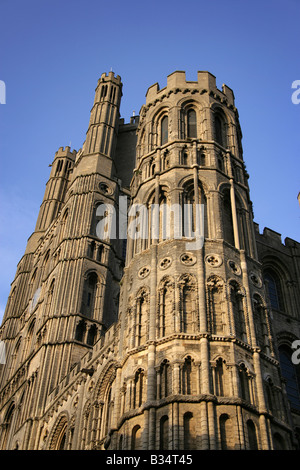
(206, 83)
(188, 112)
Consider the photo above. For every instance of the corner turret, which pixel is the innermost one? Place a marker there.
(56, 187)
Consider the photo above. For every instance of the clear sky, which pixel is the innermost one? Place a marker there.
(53, 52)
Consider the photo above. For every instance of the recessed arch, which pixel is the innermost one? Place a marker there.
(106, 378)
(58, 435)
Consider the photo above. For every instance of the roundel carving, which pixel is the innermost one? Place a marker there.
(165, 263)
(255, 279)
(144, 272)
(188, 259)
(214, 260)
(104, 188)
(235, 268)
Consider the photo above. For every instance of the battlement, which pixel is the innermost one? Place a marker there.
(65, 152)
(273, 238)
(177, 80)
(110, 77)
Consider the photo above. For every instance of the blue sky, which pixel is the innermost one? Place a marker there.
(53, 52)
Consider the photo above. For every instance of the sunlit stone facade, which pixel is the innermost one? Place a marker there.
(179, 336)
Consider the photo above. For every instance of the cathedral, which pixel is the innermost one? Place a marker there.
(149, 312)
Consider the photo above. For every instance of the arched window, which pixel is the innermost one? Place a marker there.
(189, 318)
(91, 249)
(165, 379)
(220, 163)
(108, 409)
(50, 296)
(291, 374)
(226, 432)
(201, 157)
(164, 433)
(274, 289)
(220, 131)
(166, 300)
(189, 431)
(138, 388)
(271, 396)
(89, 295)
(30, 338)
(187, 310)
(46, 263)
(68, 168)
(15, 358)
(227, 219)
(219, 378)
(59, 167)
(185, 157)
(188, 377)
(244, 383)
(252, 438)
(188, 218)
(58, 441)
(100, 252)
(136, 438)
(163, 217)
(62, 439)
(237, 305)
(191, 124)
(164, 130)
(63, 227)
(166, 160)
(194, 218)
(80, 331)
(215, 295)
(141, 318)
(6, 427)
(92, 333)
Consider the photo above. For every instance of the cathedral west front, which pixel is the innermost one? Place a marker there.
(148, 310)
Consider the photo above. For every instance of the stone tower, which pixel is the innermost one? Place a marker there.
(173, 344)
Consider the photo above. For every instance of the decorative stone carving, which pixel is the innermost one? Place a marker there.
(144, 272)
(215, 283)
(165, 263)
(234, 267)
(104, 188)
(213, 260)
(255, 279)
(188, 259)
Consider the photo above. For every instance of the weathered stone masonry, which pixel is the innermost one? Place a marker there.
(151, 343)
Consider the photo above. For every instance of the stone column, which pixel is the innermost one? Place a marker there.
(117, 400)
(261, 401)
(234, 215)
(204, 426)
(211, 423)
(175, 416)
(241, 428)
(205, 375)
(253, 341)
